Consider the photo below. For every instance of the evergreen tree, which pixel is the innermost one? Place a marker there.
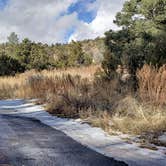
(142, 38)
(9, 65)
(23, 52)
(13, 38)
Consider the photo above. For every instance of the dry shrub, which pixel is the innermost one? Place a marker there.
(96, 118)
(17, 87)
(105, 94)
(152, 84)
(84, 72)
(6, 91)
(12, 86)
(67, 95)
(64, 94)
(72, 94)
(134, 117)
(9, 86)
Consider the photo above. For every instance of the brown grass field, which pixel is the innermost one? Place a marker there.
(76, 92)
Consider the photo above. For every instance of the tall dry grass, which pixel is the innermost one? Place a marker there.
(148, 114)
(152, 84)
(107, 104)
(68, 95)
(83, 71)
(9, 86)
(132, 116)
(18, 87)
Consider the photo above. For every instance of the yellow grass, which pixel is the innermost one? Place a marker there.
(84, 72)
(12, 87)
(152, 84)
(149, 114)
(134, 117)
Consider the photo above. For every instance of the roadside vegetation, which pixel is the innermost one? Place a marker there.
(83, 93)
(127, 93)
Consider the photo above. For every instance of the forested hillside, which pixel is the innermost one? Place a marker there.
(18, 56)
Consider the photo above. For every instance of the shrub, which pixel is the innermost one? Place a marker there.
(9, 65)
(131, 116)
(152, 84)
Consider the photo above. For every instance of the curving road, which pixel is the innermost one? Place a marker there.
(28, 142)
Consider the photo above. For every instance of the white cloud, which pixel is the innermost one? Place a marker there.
(39, 20)
(47, 20)
(103, 21)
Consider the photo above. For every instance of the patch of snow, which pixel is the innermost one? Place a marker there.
(93, 137)
(162, 138)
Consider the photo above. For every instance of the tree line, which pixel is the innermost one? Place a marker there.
(18, 56)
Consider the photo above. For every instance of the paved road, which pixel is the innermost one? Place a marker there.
(27, 142)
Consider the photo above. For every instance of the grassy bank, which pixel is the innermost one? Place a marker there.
(111, 105)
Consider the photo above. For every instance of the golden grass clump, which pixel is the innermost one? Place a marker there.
(97, 118)
(132, 116)
(18, 87)
(152, 84)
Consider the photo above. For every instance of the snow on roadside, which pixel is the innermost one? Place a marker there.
(95, 138)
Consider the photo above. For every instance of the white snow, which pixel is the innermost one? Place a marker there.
(162, 138)
(95, 138)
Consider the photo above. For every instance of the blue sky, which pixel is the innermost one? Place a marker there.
(52, 21)
(3, 3)
(83, 14)
(81, 7)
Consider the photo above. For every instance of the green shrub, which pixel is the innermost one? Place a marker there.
(9, 65)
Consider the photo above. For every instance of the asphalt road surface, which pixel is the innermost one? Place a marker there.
(28, 142)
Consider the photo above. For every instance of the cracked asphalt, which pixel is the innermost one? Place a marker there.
(28, 142)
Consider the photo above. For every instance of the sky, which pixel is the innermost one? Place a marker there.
(57, 21)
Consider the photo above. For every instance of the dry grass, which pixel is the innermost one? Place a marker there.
(9, 86)
(101, 103)
(17, 86)
(84, 72)
(100, 119)
(63, 94)
(152, 84)
(134, 117)
(149, 113)
(68, 95)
